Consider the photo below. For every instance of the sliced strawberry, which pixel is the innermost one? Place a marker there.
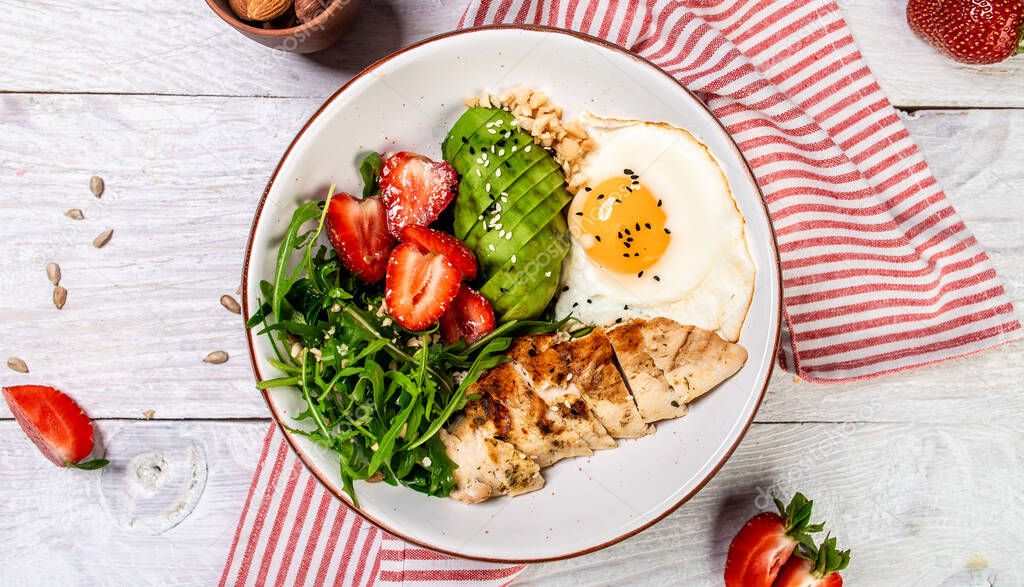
(470, 317)
(814, 567)
(415, 189)
(53, 421)
(358, 230)
(766, 542)
(420, 286)
(435, 241)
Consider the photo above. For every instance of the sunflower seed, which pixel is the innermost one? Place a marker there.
(74, 214)
(60, 296)
(53, 273)
(148, 414)
(230, 303)
(16, 364)
(96, 185)
(102, 238)
(216, 358)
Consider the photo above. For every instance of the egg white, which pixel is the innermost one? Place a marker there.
(706, 275)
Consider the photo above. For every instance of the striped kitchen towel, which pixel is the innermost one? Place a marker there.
(880, 274)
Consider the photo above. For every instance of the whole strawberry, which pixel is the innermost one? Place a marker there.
(969, 31)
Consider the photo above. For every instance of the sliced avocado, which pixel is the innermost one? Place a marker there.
(530, 212)
(534, 264)
(494, 248)
(527, 183)
(464, 128)
(531, 306)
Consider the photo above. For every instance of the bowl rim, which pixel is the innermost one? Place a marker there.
(278, 418)
(228, 16)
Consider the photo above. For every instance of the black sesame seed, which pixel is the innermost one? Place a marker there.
(620, 234)
(579, 213)
(641, 274)
(501, 143)
(597, 238)
(625, 307)
(634, 176)
(667, 231)
(627, 171)
(629, 239)
(565, 288)
(590, 301)
(659, 203)
(636, 254)
(600, 196)
(503, 290)
(472, 151)
(627, 244)
(491, 196)
(586, 189)
(626, 230)
(656, 278)
(648, 225)
(507, 164)
(574, 304)
(637, 227)
(618, 320)
(618, 201)
(465, 140)
(625, 255)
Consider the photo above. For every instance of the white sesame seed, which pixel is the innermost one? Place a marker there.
(508, 236)
(497, 207)
(492, 131)
(497, 172)
(487, 187)
(426, 461)
(480, 217)
(504, 199)
(501, 153)
(492, 148)
(547, 274)
(478, 172)
(479, 161)
(501, 234)
(490, 247)
(513, 259)
(514, 148)
(527, 148)
(568, 377)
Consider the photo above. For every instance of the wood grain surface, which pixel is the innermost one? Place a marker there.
(184, 119)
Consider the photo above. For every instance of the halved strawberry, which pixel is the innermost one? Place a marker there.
(358, 230)
(766, 542)
(470, 317)
(435, 241)
(814, 567)
(415, 189)
(55, 423)
(420, 286)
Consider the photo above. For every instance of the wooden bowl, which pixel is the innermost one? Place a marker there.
(315, 35)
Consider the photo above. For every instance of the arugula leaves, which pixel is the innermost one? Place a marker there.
(375, 393)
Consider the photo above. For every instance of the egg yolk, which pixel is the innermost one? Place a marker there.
(621, 225)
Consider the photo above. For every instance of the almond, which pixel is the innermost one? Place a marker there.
(261, 10)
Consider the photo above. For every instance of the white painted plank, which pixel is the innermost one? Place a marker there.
(171, 47)
(183, 177)
(909, 499)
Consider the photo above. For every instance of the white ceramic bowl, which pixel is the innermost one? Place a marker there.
(408, 101)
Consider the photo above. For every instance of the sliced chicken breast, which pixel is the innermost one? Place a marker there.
(654, 396)
(591, 362)
(547, 371)
(508, 409)
(487, 467)
(694, 360)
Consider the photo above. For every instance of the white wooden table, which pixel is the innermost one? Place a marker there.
(920, 473)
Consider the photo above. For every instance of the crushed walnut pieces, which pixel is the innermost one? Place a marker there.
(537, 115)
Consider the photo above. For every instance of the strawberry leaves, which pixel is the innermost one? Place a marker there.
(827, 559)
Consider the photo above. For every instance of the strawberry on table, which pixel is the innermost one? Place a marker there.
(766, 542)
(435, 241)
(415, 189)
(55, 423)
(970, 31)
(814, 567)
(469, 317)
(358, 231)
(419, 287)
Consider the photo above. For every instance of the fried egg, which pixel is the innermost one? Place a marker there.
(656, 232)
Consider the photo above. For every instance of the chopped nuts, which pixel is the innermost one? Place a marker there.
(53, 273)
(536, 115)
(16, 364)
(148, 414)
(74, 214)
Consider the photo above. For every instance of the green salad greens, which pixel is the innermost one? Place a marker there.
(375, 393)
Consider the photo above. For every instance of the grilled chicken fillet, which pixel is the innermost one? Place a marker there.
(486, 466)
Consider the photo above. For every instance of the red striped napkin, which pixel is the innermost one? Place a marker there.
(880, 273)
